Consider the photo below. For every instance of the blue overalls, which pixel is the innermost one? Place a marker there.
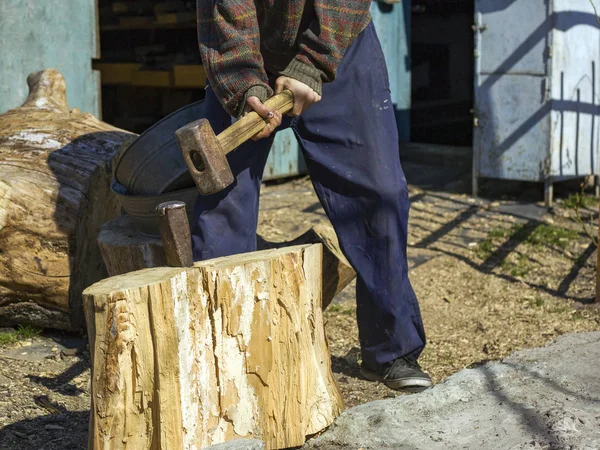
(350, 143)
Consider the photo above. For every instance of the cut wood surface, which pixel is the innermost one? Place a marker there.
(55, 170)
(124, 250)
(232, 348)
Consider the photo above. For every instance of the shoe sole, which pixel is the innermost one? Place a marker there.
(404, 384)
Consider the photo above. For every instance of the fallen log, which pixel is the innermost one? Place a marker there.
(124, 250)
(55, 170)
(230, 348)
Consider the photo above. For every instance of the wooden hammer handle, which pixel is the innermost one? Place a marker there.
(252, 123)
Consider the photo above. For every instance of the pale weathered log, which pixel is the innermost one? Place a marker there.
(124, 250)
(55, 170)
(231, 348)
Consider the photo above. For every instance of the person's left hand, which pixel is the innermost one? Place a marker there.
(304, 96)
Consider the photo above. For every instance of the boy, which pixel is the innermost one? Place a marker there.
(327, 53)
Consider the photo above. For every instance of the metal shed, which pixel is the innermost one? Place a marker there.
(536, 91)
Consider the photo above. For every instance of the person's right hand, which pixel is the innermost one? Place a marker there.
(273, 118)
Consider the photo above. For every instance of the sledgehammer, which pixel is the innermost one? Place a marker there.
(205, 153)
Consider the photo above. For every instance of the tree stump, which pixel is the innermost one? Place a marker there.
(231, 348)
(55, 170)
(124, 250)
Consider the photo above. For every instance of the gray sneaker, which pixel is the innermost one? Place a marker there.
(402, 374)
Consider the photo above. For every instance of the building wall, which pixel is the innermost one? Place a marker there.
(42, 34)
(536, 90)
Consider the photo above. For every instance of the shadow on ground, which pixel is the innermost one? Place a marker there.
(66, 430)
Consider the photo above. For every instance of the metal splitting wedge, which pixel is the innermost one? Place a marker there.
(175, 233)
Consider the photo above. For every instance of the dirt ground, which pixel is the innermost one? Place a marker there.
(492, 276)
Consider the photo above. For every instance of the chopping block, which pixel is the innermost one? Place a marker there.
(230, 348)
(202, 353)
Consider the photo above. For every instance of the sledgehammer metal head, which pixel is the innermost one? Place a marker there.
(205, 153)
(206, 160)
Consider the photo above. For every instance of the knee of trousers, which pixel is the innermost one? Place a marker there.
(393, 192)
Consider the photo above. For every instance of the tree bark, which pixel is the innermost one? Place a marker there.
(55, 170)
(231, 348)
(124, 250)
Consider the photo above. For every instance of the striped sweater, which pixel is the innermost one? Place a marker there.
(243, 42)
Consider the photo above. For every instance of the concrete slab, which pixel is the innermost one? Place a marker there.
(546, 398)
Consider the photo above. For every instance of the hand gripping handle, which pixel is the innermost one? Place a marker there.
(252, 123)
(204, 153)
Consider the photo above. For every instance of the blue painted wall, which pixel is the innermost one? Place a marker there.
(536, 90)
(392, 22)
(41, 34)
